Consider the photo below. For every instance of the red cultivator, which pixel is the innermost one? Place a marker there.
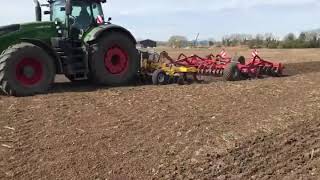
(221, 65)
(231, 69)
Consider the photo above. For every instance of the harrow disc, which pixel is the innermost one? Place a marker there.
(198, 78)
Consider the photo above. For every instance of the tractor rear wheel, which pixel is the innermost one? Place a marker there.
(231, 72)
(116, 60)
(25, 69)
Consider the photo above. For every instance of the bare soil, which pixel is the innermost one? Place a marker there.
(256, 129)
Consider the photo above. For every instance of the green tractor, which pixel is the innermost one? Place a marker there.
(76, 42)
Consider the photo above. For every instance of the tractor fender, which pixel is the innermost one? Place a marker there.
(49, 50)
(99, 31)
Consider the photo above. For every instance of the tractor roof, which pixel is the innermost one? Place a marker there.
(97, 1)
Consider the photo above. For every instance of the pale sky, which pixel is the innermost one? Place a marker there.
(211, 18)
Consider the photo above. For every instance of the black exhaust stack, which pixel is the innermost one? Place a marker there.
(38, 11)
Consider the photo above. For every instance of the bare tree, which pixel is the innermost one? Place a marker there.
(178, 41)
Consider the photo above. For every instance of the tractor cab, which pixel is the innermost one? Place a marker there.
(80, 14)
(77, 16)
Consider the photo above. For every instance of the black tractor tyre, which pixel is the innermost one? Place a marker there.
(159, 77)
(25, 70)
(232, 73)
(99, 71)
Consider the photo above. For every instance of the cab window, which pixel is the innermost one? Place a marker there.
(57, 12)
(82, 13)
(97, 10)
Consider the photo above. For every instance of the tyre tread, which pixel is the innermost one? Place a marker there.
(96, 74)
(229, 71)
(5, 56)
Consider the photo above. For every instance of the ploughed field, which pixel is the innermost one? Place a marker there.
(256, 129)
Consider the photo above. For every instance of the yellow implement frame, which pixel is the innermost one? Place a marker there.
(173, 70)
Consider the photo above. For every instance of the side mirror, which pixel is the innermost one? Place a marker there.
(38, 10)
(109, 20)
(68, 8)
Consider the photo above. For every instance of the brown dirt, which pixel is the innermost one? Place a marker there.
(258, 129)
(289, 154)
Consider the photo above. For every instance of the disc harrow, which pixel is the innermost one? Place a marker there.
(220, 65)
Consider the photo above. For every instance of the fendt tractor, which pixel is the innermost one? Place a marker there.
(76, 42)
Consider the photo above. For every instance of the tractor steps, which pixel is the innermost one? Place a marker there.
(72, 56)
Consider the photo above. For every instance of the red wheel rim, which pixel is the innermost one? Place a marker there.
(29, 71)
(116, 60)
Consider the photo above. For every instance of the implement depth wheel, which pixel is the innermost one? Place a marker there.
(232, 73)
(242, 60)
(181, 80)
(116, 60)
(159, 77)
(25, 69)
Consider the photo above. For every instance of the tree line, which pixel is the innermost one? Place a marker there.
(268, 40)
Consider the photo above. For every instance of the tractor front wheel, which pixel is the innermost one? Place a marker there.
(25, 69)
(115, 60)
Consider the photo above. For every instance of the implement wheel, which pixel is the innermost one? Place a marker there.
(181, 80)
(26, 69)
(232, 73)
(242, 60)
(159, 77)
(116, 60)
